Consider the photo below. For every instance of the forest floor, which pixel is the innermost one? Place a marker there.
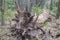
(5, 34)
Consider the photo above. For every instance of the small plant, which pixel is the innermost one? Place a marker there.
(36, 9)
(54, 11)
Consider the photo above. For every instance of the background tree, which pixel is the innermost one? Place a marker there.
(58, 11)
(2, 14)
(51, 5)
(0, 4)
(42, 3)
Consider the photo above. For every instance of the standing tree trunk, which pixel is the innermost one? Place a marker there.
(58, 11)
(42, 3)
(51, 5)
(0, 4)
(2, 15)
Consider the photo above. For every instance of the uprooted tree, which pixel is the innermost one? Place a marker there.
(29, 27)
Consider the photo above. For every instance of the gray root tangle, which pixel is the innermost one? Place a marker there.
(28, 28)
